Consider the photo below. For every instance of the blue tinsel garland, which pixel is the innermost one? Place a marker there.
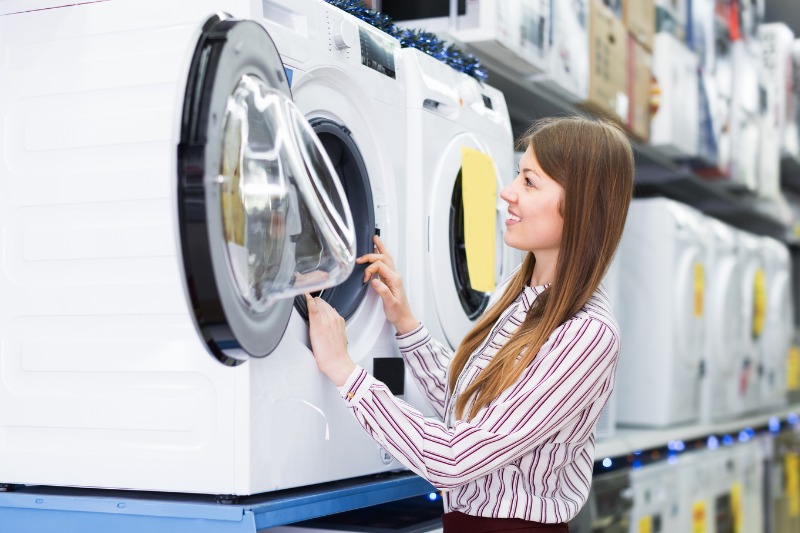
(410, 38)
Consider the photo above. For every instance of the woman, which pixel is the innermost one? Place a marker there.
(521, 396)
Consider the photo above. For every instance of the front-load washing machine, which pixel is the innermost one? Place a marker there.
(725, 352)
(662, 314)
(157, 199)
(656, 501)
(459, 130)
(695, 506)
(750, 461)
(753, 310)
(725, 489)
(349, 80)
(779, 325)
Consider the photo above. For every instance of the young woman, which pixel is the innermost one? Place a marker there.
(520, 398)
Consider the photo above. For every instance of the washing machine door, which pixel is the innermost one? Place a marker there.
(458, 304)
(727, 322)
(262, 214)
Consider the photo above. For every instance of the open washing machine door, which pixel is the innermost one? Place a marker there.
(262, 214)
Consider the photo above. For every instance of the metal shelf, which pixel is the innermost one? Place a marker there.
(656, 174)
(29, 509)
(645, 445)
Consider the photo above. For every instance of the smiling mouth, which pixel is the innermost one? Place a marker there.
(513, 217)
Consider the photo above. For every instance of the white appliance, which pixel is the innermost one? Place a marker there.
(753, 311)
(749, 486)
(449, 112)
(612, 284)
(724, 348)
(656, 501)
(745, 115)
(121, 276)
(675, 126)
(696, 505)
(662, 314)
(512, 34)
(779, 325)
(347, 78)
(724, 488)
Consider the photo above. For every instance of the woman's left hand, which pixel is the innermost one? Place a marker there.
(328, 340)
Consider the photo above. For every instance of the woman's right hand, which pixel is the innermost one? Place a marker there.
(389, 287)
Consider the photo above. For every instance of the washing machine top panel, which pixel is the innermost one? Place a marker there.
(260, 204)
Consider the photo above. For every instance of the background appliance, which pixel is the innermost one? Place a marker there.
(656, 499)
(108, 316)
(696, 505)
(662, 259)
(608, 508)
(753, 309)
(779, 326)
(449, 112)
(725, 351)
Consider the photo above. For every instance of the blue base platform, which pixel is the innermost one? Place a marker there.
(37, 509)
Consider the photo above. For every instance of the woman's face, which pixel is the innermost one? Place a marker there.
(534, 223)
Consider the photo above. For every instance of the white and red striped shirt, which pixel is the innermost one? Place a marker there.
(529, 453)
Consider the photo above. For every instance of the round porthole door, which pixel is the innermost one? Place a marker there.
(263, 216)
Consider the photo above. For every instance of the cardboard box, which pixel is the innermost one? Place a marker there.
(640, 84)
(608, 63)
(640, 18)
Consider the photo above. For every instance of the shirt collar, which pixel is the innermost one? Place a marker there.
(529, 294)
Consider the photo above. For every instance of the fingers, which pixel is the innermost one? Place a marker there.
(382, 289)
(311, 304)
(371, 258)
(383, 270)
(380, 246)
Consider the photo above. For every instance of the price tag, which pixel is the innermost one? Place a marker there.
(699, 289)
(736, 506)
(759, 302)
(646, 524)
(479, 194)
(699, 517)
(792, 473)
(793, 368)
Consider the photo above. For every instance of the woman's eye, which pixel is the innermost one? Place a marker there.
(528, 182)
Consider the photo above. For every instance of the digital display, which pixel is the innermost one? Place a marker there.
(377, 53)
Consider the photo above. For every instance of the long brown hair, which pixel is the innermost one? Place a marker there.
(593, 161)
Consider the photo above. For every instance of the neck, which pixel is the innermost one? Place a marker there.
(545, 268)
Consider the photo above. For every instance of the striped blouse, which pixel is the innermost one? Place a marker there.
(529, 453)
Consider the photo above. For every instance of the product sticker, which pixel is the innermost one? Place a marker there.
(699, 289)
(759, 302)
(736, 506)
(479, 193)
(793, 368)
(646, 524)
(792, 472)
(699, 517)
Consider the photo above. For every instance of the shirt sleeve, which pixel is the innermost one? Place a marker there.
(571, 371)
(428, 361)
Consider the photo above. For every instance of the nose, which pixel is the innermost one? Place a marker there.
(508, 194)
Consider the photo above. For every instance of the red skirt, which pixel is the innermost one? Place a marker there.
(456, 522)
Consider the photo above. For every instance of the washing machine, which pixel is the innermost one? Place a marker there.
(656, 501)
(162, 204)
(725, 350)
(753, 310)
(696, 506)
(725, 489)
(779, 326)
(662, 314)
(784, 482)
(608, 507)
(459, 144)
(750, 457)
